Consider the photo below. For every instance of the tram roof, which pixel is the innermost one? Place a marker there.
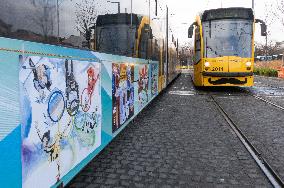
(228, 13)
(114, 19)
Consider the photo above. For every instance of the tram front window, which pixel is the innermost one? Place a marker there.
(228, 38)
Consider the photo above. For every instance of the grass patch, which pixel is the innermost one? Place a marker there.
(264, 71)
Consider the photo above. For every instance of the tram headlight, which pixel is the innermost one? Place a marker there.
(207, 64)
(248, 64)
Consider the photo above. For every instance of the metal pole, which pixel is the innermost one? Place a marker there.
(177, 48)
(96, 37)
(131, 19)
(266, 50)
(252, 4)
(118, 7)
(167, 47)
(150, 47)
(57, 7)
(149, 11)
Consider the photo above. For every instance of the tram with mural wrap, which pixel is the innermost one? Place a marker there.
(138, 36)
(224, 47)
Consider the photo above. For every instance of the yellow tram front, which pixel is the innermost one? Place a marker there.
(224, 47)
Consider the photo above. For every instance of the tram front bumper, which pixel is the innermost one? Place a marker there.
(233, 81)
(228, 79)
(227, 74)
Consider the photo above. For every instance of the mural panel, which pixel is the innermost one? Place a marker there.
(143, 86)
(61, 116)
(154, 80)
(122, 94)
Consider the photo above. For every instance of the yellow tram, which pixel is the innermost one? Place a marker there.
(139, 36)
(224, 47)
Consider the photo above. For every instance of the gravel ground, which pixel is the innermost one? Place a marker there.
(180, 140)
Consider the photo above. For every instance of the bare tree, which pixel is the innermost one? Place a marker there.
(279, 11)
(44, 16)
(269, 19)
(272, 48)
(86, 15)
(186, 53)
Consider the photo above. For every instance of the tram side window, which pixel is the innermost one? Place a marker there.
(155, 50)
(197, 45)
(143, 45)
(59, 22)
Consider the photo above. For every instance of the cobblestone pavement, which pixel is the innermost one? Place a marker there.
(180, 140)
(269, 81)
(261, 123)
(270, 88)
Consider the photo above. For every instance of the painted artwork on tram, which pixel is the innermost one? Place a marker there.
(154, 80)
(61, 125)
(143, 86)
(122, 94)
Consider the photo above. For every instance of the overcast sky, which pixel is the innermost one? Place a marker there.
(186, 10)
(182, 14)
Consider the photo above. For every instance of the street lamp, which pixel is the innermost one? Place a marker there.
(116, 2)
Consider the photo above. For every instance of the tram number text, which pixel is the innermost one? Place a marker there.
(217, 69)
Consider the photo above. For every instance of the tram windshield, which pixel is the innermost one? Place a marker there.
(228, 38)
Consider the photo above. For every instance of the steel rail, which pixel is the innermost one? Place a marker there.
(263, 99)
(268, 102)
(272, 176)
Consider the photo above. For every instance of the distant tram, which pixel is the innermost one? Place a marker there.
(224, 47)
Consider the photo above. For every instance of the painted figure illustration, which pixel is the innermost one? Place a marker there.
(154, 79)
(60, 128)
(86, 97)
(53, 149)
(143, 83)
(41, 78)
(122, 94)
(72, 89)
(87, 121)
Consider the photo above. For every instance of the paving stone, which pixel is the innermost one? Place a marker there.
(177, 141)
(124, 177)
(111, 181)
(112, 176)
(93, 186)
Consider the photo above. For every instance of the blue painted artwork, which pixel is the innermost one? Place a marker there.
(122, 94)
(63, 98)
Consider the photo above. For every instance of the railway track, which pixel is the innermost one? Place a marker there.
(263, 99)
(266, 168)
(268, 102)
